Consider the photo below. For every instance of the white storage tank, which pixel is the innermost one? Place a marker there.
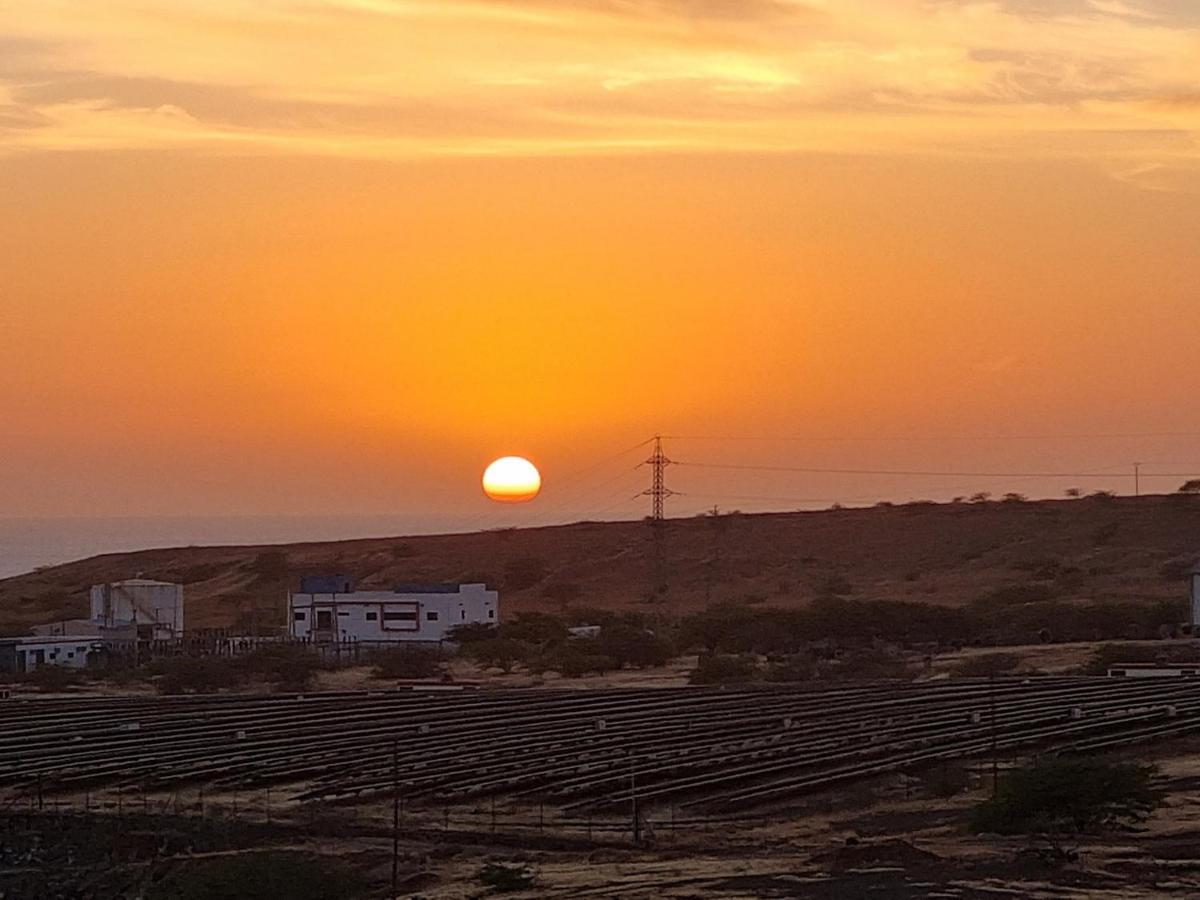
(155, 607)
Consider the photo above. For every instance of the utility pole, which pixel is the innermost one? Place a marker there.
(633, 803)
(658, 491)
(1137, 479)
(395, 815)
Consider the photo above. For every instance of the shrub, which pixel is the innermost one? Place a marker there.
(287, 666)
(197, 675)
(407, 662)
(51, 679)
(576, 659)
(500, 653)
(535, 628)
(502, 879)
(296, 876)
(1055, 800)
(470, 632)
(724, 669)
(629, 645)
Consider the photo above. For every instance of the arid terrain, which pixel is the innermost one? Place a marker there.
(1099, 548)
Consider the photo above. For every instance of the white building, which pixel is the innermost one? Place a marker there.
(155, 607)
(329, 609)
(25, 654)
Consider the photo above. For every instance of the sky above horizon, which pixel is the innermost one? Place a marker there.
(317, 256)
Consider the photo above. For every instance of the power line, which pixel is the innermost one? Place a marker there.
(1127, 435)
(921, 473)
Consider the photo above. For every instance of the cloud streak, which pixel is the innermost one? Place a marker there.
(1108, 79)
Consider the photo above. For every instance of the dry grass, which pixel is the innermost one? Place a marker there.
(1126, 549)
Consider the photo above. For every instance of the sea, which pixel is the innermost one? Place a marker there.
(29, 544)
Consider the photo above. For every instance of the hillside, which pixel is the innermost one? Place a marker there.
(1090, 549)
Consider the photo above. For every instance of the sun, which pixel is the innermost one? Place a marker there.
(512, 479)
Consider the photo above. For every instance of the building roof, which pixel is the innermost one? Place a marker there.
(416, 587)
(140, 582)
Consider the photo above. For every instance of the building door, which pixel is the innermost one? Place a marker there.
(324, 620)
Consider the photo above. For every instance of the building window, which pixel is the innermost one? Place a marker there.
(431, 616)
(298, 616)
(71, 654)
(491, 614)
(462, 613)
(342, 612)
(401, 616)
(372, 617)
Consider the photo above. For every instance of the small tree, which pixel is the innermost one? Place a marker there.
(1056, 801)
(724, 669)
(501, 653)
(502, 879)
(1191, 486)
(408, 662)
(1073, 493)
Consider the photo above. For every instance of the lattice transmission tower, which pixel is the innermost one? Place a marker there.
(658, 490)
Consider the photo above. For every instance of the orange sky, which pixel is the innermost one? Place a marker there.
(307, 257)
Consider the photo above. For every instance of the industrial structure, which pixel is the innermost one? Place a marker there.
(27, 654)
(154, 608)
(328, 609)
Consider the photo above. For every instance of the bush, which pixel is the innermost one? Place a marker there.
(629, 645)
(407, 662)
(287, 666)
(197, 675)
(499, 653)
(51, 679)
(576, 659)
(535, 628)
(1057, 799)
(259, 876)
(723, 669)
(502, 879)
(470, 632)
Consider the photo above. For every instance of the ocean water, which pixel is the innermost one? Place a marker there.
(26, 544)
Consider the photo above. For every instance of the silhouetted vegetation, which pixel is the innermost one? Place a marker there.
(723, 668)
(1007, 617)
(504, 879)
(287, 667)
(408, 662)
(502, 653)
(261, 875)
(1054, 801)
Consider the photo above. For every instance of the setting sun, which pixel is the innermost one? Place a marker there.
(512, 479)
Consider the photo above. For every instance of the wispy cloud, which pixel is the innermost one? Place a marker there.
(383, 78)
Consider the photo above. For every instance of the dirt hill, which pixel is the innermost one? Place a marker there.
(1090, 549)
